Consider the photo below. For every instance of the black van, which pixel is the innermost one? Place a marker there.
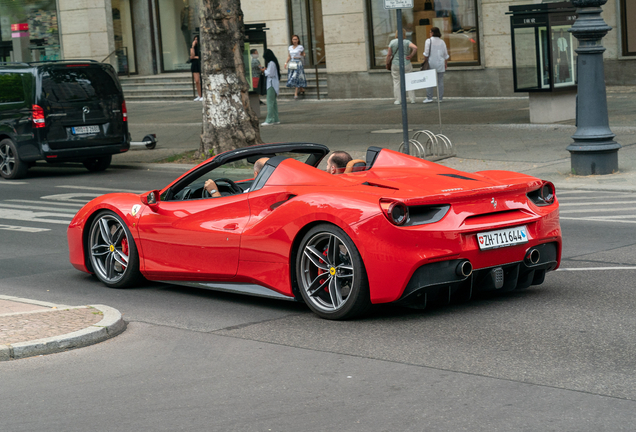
(60, 111)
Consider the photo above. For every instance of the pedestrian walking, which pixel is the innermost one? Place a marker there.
(410, 49)
(272, 73)
(195, 66)
(294, 65)
(437, 55)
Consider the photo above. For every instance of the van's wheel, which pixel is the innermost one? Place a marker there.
(331, 275)
(11, 167)
(112, 251)
(98, 164)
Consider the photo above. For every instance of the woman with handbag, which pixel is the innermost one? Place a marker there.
(272, 72)
(294, 65)
(436, 55)
(393, 59)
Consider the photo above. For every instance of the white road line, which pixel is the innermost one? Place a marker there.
(596, 203)
(598, 220)
(72, 197)
(77, 206)
(30, 216)
(88, 188)
(633, 216)
(23, 228)
(12, 183)
(614, 209)
(596, 268)
(25, 207)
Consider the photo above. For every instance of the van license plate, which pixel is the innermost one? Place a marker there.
(502, 238)
(83, 130)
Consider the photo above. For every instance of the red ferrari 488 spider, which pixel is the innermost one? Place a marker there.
(393, 229)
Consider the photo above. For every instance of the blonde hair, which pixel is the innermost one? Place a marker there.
(403, 34)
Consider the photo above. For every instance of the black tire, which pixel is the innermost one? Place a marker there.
(112, 251)
(98, 164)
(333, 284)
(11, 167)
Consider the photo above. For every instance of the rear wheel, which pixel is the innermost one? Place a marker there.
(113, 253)
(98, 164)
(331, 274)
(11, 167)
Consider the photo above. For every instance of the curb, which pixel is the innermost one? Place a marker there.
(110, 326)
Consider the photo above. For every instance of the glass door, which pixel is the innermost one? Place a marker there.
(306, 22)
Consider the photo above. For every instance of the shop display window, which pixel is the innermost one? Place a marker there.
(628, 27)
(43, 28)
(124, 37)
(178, 22)
(456, 19)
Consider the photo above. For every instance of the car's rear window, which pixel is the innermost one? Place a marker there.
(77, 84)
(11, 87)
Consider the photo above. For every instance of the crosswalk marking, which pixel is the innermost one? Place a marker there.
(26, 207)
(100, 189)
(605, 207)
(600, 220)
(75, 205)
(23, 228)
(596, 268)
(567, 204)
(32, 216)
(12, 183)
(595, 210)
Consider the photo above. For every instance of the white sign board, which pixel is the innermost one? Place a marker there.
(398, 4)
(421, 79)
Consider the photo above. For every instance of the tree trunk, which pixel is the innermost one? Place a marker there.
(228, 120)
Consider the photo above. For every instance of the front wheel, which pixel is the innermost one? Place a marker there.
(331, 274)
(113, 253)
(98, 164)
(11, 167)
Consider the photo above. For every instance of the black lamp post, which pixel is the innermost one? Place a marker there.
(594, 150)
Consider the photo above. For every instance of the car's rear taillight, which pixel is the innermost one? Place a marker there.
(543, 196)
(38, 116)
(124, 112)
(396, 212)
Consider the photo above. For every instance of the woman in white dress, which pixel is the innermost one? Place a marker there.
(294, 65)
(437, 54)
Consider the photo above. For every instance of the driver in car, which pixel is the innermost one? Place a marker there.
(338, 161)
(213, 189)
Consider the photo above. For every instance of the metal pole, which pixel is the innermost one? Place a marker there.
(401, 59)
(439, 108)
(317, 82)
(594, 150)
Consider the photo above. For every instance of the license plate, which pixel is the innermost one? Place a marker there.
(502, 238)
(83, 130)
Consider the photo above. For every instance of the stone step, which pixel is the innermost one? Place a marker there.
(189, 97)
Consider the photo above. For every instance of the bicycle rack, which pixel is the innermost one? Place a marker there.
(435, 145)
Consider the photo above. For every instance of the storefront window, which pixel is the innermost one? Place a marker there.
(628, 10)
(179, 22)
(456, 19)
(42, 19)
(124, 37)
(306, 22)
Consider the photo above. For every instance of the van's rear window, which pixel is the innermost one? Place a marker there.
(11, 88)
(74, 84)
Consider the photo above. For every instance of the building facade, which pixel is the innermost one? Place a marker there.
(346, 39)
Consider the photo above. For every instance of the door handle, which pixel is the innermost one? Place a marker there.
(231, 227)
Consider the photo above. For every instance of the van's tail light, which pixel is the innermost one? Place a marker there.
(124, 112)
(38, 116)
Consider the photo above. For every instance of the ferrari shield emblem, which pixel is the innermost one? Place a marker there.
(135, 209)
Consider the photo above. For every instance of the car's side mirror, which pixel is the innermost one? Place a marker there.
(151, 199)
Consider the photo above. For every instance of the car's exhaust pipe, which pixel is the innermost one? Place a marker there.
(533, 256)
(464, 269)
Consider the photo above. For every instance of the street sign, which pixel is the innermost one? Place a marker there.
(421, 79)
(398, 4)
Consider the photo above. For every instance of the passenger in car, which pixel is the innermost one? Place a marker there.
(337, 162)
(213, 189)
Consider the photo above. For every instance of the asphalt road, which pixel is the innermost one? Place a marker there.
(556, 357)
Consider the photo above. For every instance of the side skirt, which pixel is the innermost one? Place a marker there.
(239, 288)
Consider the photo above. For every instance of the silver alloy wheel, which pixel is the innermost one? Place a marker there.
(7, 160)
(109, 247)
(326, 272)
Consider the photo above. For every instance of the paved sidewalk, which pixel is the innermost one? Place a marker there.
(487, 133)
(30, 327)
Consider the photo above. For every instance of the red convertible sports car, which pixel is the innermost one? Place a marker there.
(394, 229)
